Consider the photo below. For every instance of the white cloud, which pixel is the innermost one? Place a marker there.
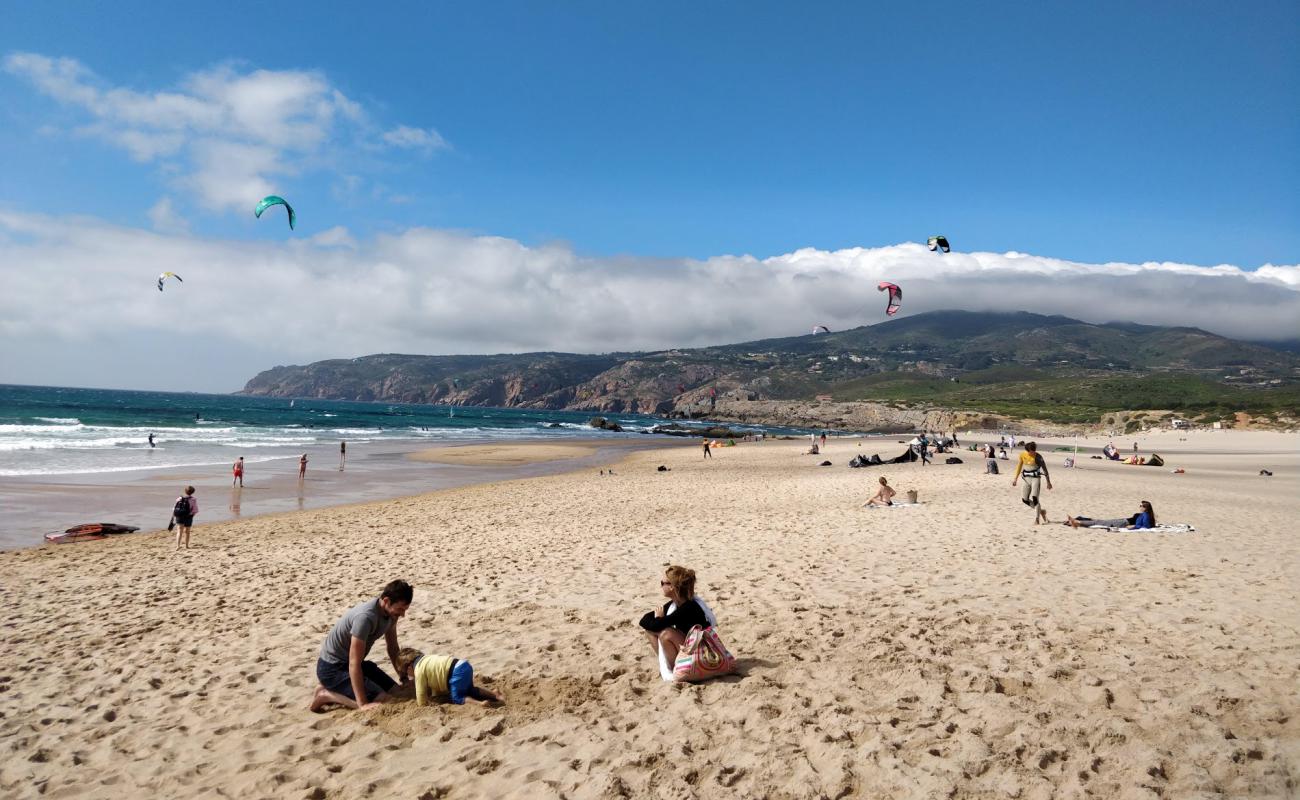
(225, 135)
(415, 138)
(433, 291)
(165, 219)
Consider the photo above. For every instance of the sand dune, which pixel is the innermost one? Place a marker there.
(947, 650)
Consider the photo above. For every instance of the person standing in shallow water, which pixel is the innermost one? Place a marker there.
(302, 467)
(343, 454)
(238, 469)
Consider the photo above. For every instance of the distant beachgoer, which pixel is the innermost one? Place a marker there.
(1033, 468)
(990, 459)
(823, 440)
(1145, 518)
(441, 676)
(923, 449)
(238, 469)
(1135, 448)
(885, 495)
(346, 677)
(302, 467)
(343, 454)
(1002, 453)
(708, 451)
(668, 626)
(955, 443)
(183, 513)
(151, 444)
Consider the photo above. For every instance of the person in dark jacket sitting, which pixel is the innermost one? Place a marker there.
(668, 625)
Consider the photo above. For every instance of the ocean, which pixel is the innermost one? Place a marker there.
(46, 430)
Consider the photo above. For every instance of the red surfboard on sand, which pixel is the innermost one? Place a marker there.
(88, 532)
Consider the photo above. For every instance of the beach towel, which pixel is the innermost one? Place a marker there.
(666, 669)
(1176, 527)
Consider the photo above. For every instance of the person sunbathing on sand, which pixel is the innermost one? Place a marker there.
(885, 496)
(1145, 518)
(346, 677)
(442, 676)
(667, 627)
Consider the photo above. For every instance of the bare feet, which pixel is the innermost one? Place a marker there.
(324, 697)
(1072, 522)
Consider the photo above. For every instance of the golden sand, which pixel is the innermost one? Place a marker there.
(950, 649)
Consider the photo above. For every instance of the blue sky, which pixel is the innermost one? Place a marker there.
(603, 176)
(1094, 132)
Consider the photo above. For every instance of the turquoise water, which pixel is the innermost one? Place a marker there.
(53, 431)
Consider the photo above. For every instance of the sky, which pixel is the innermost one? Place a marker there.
(591, 176)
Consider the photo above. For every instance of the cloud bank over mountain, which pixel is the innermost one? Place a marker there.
(70, 281)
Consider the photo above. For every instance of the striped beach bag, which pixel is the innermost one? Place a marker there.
(703, 656)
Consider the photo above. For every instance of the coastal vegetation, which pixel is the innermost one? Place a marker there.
(1017, 365)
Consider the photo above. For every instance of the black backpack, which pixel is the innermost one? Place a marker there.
(182, 508)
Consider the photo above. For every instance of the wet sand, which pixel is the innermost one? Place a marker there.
(34, 506)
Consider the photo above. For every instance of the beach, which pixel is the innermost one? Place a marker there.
(374, 470)
(948, 649)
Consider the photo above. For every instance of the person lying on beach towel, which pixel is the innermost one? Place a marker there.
(666, 628)
(442, 676)
(884, 496)
(1145, 518)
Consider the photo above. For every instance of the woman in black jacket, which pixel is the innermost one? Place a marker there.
(668, 625)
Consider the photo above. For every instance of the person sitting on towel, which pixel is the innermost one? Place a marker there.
(1145, 518)
(668, 626)
(885, 496)
(442, 676)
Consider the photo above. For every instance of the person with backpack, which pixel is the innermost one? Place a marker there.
(183, 513)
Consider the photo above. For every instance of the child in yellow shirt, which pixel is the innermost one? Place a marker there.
(442, 676)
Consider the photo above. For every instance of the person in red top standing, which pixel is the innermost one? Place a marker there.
(302, 467)
(238, 469)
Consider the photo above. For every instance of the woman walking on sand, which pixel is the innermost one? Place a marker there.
(183, 513)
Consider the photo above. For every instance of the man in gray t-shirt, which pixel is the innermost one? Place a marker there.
(346, 677)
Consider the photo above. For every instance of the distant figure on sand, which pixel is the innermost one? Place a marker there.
(1033, 468)
(343, 455)
(823, 440)
(184, 510)
(442, 676)
(923, 449)
(346, 677)
(990, 460)
(708, 452)
(302, 467)
(238, 469)
(884, 496)
(1144, 518)
(666, 627)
